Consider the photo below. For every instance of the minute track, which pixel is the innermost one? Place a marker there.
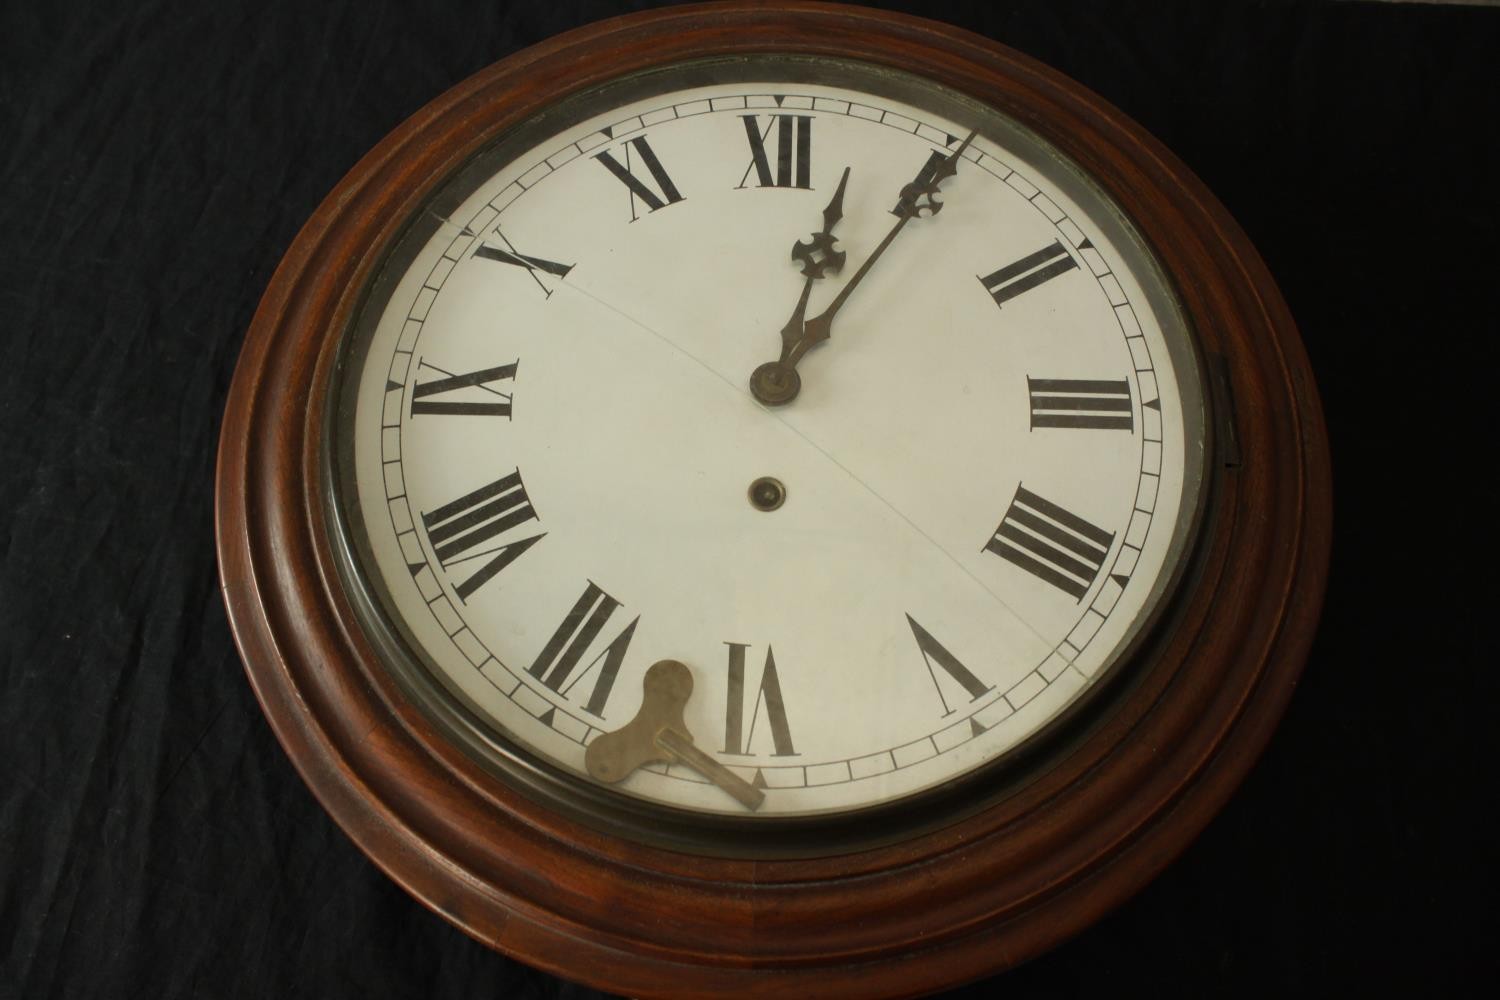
(977, 159)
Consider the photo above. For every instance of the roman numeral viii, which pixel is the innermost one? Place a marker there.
(464, 531)
(793, 158)
(666, 192)
(556, 664)
(1050, 543)
(737, 736)
(446, 395)
(1028, 272)
(1067, 402)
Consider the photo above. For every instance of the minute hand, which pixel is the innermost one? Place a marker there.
(820, 327)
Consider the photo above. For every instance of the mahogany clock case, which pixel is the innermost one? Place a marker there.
(160, 839)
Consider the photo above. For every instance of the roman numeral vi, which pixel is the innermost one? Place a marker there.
(558, 660)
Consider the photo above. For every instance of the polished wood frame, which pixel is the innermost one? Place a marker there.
(983, 893)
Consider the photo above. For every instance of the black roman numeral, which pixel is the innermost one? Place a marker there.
(924, 176)
(557, 661)
(486, 401)
(508, 255)
(935, 654)
(460, 531)
(1068, 402)
(737, 736)
(1028, 272)
(792, 157)
(668, 195)
(1051, 544)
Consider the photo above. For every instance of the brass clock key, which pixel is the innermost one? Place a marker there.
(658, 733)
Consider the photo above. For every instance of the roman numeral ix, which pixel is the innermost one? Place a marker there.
(486, 401)
(1050, 543)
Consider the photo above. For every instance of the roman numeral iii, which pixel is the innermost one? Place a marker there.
(1066, 402)
(666, 192)
(1050, 543)
(463, 530)
(793, 157)
(558, 660)
(1028, 272)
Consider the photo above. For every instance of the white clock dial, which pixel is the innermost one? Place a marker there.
(990, 471)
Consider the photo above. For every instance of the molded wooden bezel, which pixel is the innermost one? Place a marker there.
(985, 893)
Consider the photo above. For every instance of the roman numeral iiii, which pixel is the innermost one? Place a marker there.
(1050, 543)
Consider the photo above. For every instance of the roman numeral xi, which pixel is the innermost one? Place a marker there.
(666, 192)
(1050, 543)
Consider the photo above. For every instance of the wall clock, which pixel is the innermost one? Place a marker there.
(747, 498)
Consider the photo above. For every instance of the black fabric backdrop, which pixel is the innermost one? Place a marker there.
(156, 161)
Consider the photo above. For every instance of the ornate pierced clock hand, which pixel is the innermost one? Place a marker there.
(658, 733)
(777, 382)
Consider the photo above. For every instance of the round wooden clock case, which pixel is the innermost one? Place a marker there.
(1002, 871)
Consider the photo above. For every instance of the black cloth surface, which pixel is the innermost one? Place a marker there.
(156, 160)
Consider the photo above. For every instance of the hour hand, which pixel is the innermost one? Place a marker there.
(658, 733)
(777, 381)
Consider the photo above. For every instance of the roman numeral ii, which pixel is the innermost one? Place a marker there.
(1028, 272)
